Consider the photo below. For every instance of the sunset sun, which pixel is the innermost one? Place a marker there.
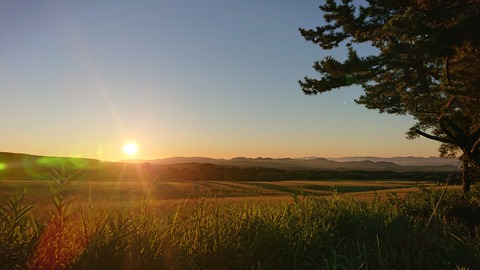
(130, 149)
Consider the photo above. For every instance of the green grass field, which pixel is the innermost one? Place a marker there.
(63, 224)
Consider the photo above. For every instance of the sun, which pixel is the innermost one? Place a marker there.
(130, 149)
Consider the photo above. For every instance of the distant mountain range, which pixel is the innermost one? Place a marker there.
(367, 163)
(24, 166)
(404, 161)
(399, 164)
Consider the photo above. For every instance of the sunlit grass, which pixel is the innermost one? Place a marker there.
(140, 229)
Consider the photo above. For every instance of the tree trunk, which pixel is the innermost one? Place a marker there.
(466, 177)
(469, 144)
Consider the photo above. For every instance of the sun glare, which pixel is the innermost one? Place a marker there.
(130, 149)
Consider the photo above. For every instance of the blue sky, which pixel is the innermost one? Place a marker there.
(179, 78)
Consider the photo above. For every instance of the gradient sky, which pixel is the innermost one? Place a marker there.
(214, 78)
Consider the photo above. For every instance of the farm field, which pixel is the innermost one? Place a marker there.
(117, 193)
(345, 224)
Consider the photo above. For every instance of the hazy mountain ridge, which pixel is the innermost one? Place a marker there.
(404, 161)
(22, 163)
(400, 164)
(24, 166)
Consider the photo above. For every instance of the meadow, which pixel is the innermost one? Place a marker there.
(345, 224)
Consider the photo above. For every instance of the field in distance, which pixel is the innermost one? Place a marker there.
(125, 192)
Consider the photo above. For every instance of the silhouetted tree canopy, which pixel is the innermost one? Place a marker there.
(426, 64)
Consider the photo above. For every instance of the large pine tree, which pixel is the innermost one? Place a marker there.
(427, 65)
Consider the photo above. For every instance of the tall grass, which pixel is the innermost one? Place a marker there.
(309, 233)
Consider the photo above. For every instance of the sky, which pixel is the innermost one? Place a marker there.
(213, 78)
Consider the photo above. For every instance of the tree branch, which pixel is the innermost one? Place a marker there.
(447, 68)
(459, 134)
(447, 106)
(473, 140)
(477, 143)
(433, 137)
(453, 137)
